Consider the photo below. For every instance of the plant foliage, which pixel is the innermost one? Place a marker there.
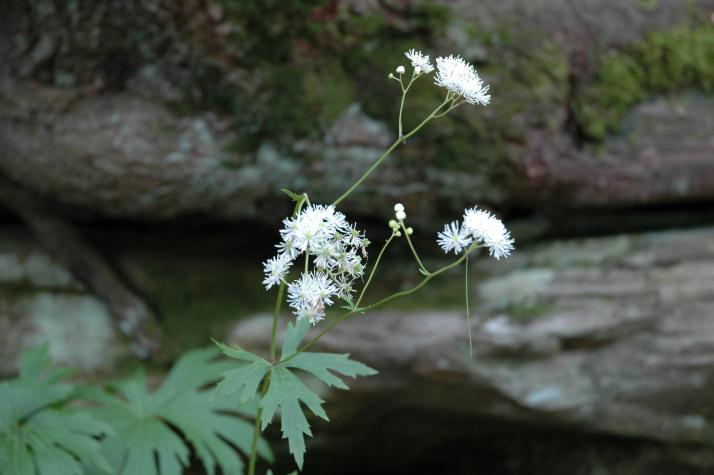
(151, 429)
(286, 391)
(39, 432)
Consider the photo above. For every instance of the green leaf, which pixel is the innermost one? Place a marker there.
(39, 434)
(150, 428)
(33, 362)
(321, 365)
(294, 334)
(237, 353)
(244, 380)
(293, 196)
(286, 391)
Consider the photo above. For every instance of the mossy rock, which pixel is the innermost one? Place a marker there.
(665, 61)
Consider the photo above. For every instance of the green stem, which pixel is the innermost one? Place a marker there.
(403, 293)
(374, 269)
(411, 246)
(273, 341)
(405, 90)
(387, 152)
(256, 429)
(468, 313)
(276, 314)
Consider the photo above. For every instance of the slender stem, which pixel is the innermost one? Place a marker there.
(387, 152)
(276, 314)
(401, 103)
(273, 341)
(403, 293)
(411, 246)
(401, 108)
(374, 269)
(256, 428)
(468, 313)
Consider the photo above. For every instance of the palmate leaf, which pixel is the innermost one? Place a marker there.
(149, 428)
(245, 379)
(325, 365)
(286, 392)
(39, 435)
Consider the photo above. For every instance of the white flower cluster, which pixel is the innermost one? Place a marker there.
(461, 79)
(337, 250)
(478, 225)
(420, 61)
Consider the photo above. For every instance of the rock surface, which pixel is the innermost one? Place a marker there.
(590, 356)
(41, 303)
(177, 122)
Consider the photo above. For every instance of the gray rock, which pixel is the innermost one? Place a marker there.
(614, 353)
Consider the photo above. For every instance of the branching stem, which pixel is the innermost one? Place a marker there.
(414, 252)
(389, 150)
(381, 302)
(374, 269)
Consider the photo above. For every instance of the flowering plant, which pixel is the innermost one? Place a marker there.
(333, 253)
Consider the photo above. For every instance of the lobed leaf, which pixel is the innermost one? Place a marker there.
(238, 353)
(294, 333)
(148, 426)
(321, 365)
(244, 380)
(38, 433)
(286, 391)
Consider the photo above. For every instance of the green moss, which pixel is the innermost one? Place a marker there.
(664, 62)
(304, 59)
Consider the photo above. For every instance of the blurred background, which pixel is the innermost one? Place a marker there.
(143, 146)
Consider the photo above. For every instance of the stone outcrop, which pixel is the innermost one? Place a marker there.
(588, 355)
(133, 129)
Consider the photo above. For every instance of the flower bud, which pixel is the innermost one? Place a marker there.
(410, 231)
(393, 224)
(400, 69)
(398, 207)
(401, 215)
(417, 70)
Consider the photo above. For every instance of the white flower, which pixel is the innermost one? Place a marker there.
(344, 289)
(312, 226)
(461, 79)
(419, 60)
(398, 207)
(454, 238)
(275, 269)
(303, 293)
(487, 228)
(400, 70)
(335, 251)
(288, 248)
(325, 254)
(310, 294)
(312, 314)
(354, 237)
(324, 288)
